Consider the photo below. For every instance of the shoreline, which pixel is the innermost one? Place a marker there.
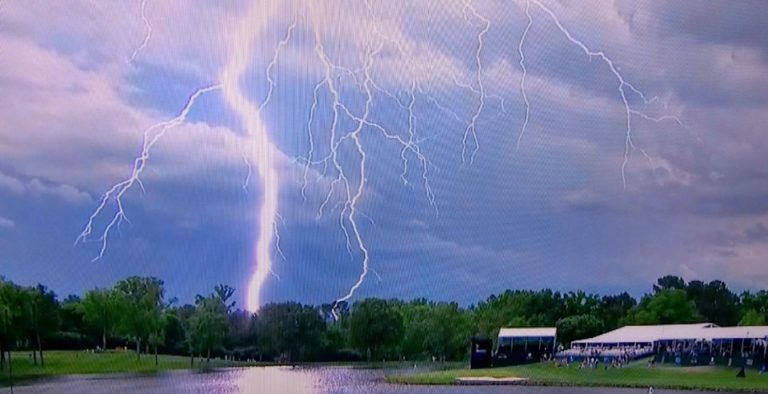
(705, 379)
(544, 383)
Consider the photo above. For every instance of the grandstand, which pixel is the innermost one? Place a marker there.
(682, 344)
(524, 345)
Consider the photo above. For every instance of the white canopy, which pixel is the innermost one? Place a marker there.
(543, 332)
(671, 332)
(648, 334)
(748, 332)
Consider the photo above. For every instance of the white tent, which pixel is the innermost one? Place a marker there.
(528, 332)
(742, 332)
(649, 334)
(675, 332)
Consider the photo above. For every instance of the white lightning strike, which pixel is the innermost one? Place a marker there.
(350, 207)
(248, 174)
(262, 150)
(623, 84)
(352, 204)
(352, 192)
(147, 34)
(471, 129)
(116, 193)
(525, 73)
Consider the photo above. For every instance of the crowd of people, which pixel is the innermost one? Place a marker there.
(629, 353)
(710, 353)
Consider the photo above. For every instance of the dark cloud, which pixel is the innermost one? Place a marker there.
(541, 215)
(736, 23)
(757, 233)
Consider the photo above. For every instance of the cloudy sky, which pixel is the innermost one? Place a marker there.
(80, 82)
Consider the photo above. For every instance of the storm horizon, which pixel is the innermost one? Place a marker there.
(324, 152)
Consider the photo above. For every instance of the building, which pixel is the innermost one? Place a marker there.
(525, 345)
(480, 353)
(682, 344)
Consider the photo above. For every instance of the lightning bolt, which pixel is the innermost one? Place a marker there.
(471, 129)
(350, 186)
(352, 205)
(151, 136)
(624, 87)
(147, 34)
(262, 151)
(352, 190)
(525, 73)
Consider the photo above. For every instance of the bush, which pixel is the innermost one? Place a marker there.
(346, 355)
(70, 341)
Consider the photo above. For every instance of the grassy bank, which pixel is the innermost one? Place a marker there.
(58, 363)
(636, 375)
(406, 365)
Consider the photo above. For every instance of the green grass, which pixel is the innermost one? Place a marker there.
(394, 365)
(59, 363)
(636, 375)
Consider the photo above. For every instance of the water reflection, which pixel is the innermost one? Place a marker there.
(279, 380)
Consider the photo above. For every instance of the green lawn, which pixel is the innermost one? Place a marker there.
(636, 375)
(77, 362)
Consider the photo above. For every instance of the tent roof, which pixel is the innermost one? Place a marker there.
(647, 334)
(527, 332)
(752, 332)
(700, 331)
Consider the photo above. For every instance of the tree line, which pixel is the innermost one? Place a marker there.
(136, 313)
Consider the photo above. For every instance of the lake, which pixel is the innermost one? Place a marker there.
(279, 380)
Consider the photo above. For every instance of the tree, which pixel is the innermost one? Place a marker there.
(754, 308)
(156, 336)
(668, 306)
(669, 282)
(175, 340)
(292, 330)
(141, 304)
(11, 317)
(580, 303)
(715, 302)
(375, 327)
(416, 315)
(72, 315)
(613, 308)
(241, 330)
(448, 331)
(184, 315)
(101, 310)
(752, 318)
(578, 327)
(500, 310)
(42, 316)
(225, 293)
(207, 326)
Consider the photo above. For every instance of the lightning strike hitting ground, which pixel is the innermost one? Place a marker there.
(352, 192)
(349, 186)
(262, 151)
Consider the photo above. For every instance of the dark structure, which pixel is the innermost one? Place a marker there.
(679, 344)
(480, 353)
(733, 352)
(525, 345)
